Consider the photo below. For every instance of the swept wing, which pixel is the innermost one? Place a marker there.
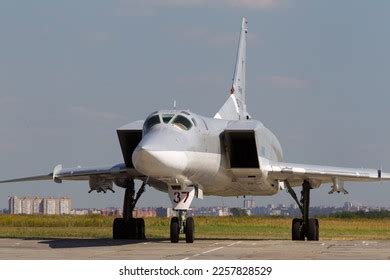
(295, 174)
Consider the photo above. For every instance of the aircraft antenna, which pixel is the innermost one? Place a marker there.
(174, 104)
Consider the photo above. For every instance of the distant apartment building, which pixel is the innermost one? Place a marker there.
(38, 205)
(249, 204)
(212, 211)
(79, 212)
(87, 211)
(223, 211)
(144, 212)
(112, 211)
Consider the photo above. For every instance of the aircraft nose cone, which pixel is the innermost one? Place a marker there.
(161, 153)
(159, 163)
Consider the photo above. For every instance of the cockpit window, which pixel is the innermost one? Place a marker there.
(153, 120)
(182, 122)
(167, 117)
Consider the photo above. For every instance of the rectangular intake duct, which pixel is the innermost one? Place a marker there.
(241, 149)
(129, 140)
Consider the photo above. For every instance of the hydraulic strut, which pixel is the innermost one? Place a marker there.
(304, 202)
(131, 198)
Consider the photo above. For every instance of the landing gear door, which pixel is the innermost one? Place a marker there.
(181, 198)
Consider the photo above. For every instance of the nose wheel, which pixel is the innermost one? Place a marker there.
(181, 224)
(175, 230)
(189, 230)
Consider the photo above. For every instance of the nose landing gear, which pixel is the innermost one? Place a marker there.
(181, 198)
(182, 224)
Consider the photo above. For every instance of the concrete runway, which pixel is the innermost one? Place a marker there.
(200, 249)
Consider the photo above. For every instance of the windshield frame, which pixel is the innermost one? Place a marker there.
(181, 125)
(147, 126)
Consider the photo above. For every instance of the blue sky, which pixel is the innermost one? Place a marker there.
(71, 72)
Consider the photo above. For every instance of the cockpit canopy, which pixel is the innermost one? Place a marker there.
(182, 122)
(178, 119)
(151, 121)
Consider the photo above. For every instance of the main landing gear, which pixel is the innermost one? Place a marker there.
(182, 224)
(304, 227)
(129, 227)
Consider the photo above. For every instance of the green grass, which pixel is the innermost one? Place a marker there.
(95, 226)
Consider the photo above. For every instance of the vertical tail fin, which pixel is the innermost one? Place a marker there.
(235, 107)
(238, 86)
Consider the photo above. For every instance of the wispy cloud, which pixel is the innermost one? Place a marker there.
(6, 100)
(149, 7)
(199, 80)
(95, 114)
(215, 38)
(99, 36)
(248, 4)
(284, 82)
(6, 146)
(212, 38)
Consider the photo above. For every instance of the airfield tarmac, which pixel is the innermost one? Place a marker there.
(205, 249)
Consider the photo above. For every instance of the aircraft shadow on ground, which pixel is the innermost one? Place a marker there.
(237, 239)
(60, 243)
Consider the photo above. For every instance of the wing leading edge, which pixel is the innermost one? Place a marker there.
(78, 173)
(295, 174)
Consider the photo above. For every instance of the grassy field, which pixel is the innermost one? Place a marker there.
(206, 227)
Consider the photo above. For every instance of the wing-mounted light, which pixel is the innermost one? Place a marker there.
(338, 186)
(100, 184)
(56, 171)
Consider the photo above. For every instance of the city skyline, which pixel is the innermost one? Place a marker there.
(61, 206)
(246, 203)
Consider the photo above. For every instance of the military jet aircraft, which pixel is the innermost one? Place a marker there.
(190, 156)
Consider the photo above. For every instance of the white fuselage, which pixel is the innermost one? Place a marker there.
(196, 157)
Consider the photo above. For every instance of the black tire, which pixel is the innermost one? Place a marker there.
(318, 229)
(296, 229)
(131, 229)
(312, 230)
(175, 230)
(140, 229)
(189, 230)
(118, 228)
